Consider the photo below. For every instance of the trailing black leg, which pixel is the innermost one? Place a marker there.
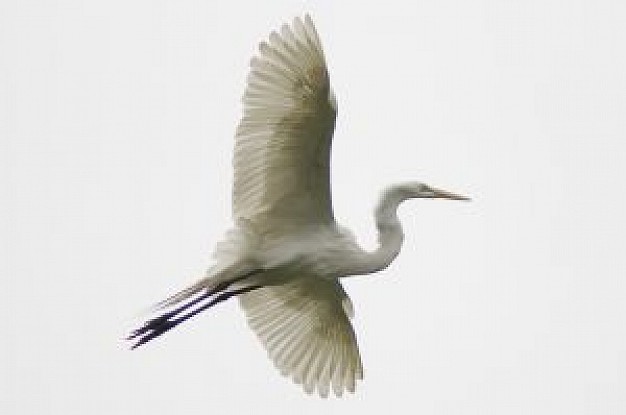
(157, 326)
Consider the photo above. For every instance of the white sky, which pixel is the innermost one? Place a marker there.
(116, 124)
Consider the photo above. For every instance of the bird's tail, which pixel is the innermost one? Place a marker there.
(193, 300)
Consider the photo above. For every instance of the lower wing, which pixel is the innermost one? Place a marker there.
(305, 328)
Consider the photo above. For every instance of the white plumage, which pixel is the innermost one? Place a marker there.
(282, 145)
(285, 254)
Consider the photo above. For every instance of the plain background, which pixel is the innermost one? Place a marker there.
(116, 125)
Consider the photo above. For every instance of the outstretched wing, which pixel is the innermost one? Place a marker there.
(282, 144)
(305, 328)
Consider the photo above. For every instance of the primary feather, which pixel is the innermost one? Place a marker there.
(282, 144)
(305, 329)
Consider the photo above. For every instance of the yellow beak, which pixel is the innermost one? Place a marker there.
(442, 194)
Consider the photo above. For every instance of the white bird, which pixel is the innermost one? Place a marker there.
(285, 254)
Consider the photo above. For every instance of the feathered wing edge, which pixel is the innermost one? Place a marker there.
(305, 328)
(282, 143)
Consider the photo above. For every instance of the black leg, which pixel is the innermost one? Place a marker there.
(157, 326)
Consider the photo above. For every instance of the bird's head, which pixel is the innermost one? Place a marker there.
(412, 190)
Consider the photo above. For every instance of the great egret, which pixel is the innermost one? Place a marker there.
(285, 254)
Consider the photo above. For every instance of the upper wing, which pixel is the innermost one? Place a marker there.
(282, 144)
(306, 331)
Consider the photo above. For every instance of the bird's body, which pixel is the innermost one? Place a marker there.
(285, 254)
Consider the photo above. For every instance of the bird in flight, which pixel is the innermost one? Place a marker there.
(285, 254)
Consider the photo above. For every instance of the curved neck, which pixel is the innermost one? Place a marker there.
(390, 235)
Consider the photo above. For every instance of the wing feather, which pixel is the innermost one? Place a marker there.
(282, 144)
(308, 335)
